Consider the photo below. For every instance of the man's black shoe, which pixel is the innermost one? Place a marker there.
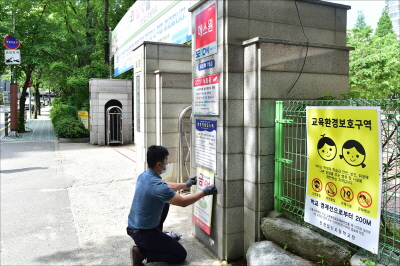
(136, 257)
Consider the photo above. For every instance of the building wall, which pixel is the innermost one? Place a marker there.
(393, 8)
(253, 74)
(101, 92)
(162, 89)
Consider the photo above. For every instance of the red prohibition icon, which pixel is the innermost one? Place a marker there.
(364, 199)
(331, 189)
(317, 185)
(347, 194)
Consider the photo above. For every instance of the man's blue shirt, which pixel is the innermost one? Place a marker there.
(150, 196)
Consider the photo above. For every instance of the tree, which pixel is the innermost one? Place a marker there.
(64, 43)
(375, 62)
(385, 25)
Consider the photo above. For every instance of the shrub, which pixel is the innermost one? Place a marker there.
(70, 127)
(60, 111)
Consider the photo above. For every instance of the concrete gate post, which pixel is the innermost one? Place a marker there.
(261, 47)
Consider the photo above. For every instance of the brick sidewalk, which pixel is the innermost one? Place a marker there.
(40, 129)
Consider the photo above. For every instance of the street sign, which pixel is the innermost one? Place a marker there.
(11, 42)
(12, 57)
(207, 64)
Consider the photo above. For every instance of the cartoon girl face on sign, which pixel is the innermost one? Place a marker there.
(353, 153)
(326, 148)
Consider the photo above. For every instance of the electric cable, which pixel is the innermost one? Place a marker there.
(305, 58)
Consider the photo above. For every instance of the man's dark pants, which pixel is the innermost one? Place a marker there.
(156, 246)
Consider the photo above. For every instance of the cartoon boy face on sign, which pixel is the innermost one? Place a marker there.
(326, 148)
(353, 153)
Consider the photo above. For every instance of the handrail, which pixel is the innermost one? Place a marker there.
(180, 146)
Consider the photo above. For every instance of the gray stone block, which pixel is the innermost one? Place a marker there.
(174, 65)
(234, 139)
(251, 85)
(267, 113)
(239, 9)
(309, 86)
(176, 80)
(234, 113)
(290, 58)
(276, 31)
(267, 168)
(250, 168)
(235, 58)
(259, 197)
(237, 30)
(230, 193)
(341, 20)
(175, 52)
(267, 253)
(177, 96)
(304, 241)
(318, 16)
(272, 11)
(250, 58)
(213, 241)
(251, 111)
(267, 141)
(152, 65)
(233, 222)
(234, 166)
(151, 50)
(251, 141)
(234, 249)
(235, 86)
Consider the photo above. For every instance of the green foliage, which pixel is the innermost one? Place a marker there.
(59, 111)
(21, 123)
(385, 25)
(322, 261)
(65, 121)
(70, 127)
(369, 262)
(374, 69)
(64, 43)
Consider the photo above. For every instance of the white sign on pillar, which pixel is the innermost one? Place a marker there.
(12, 57)
(206, 31)
(206, 144)
(206, 95)
(203, 207)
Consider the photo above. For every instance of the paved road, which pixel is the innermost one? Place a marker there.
(36, 218)
(67, 203)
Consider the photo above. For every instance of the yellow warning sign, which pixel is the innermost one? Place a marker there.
(344, 172)
(344, 156)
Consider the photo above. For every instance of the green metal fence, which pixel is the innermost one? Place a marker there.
(291, 170)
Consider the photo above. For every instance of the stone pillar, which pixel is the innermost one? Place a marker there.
(162, 89)
(101, 92)
(261, 50)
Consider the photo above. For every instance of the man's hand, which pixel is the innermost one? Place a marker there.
(191, 181)
(210, 190)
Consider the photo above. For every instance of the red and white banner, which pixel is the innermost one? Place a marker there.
(205, 95)
(206, 32)
(203, 207)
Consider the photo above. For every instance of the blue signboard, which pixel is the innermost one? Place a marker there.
(207, 64)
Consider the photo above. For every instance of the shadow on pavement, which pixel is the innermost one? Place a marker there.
(21, 170)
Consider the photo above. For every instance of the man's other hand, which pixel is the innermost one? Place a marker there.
(210, 190)
(191, 181)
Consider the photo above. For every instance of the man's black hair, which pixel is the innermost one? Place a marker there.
(156, 154)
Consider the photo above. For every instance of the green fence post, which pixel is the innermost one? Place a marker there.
(278, 154)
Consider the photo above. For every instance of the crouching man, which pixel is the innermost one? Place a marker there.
(150, 207)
